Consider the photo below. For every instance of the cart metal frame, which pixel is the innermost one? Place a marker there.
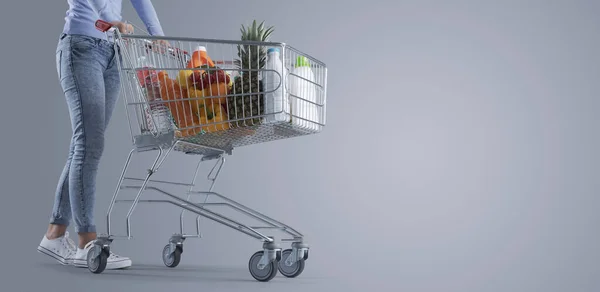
(264, 264)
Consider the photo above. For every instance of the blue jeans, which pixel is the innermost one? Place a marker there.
(88, 73)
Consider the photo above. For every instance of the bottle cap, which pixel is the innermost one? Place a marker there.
(272, 50)
(200, 48)
(302, 61)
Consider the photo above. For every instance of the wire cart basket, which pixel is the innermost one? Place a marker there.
(203, 98)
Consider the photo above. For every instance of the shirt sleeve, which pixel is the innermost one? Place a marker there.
(147, 14)
(99, 7)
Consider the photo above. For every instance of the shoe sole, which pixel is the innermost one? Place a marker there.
(115, 265)
(58, 258)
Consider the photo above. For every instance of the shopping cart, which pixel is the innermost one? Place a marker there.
(172, 105)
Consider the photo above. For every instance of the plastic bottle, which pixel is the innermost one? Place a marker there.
(301, 88)
(200, 57)
(277, 105)
(146, 76)
(158, 116)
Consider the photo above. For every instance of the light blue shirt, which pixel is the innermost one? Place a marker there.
(82, 15)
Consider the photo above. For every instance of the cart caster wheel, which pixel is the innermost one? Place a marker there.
(97, 264)
(291, 271)
(267, 274)
(171, 260)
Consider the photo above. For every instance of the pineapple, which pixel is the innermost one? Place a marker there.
(251, 57)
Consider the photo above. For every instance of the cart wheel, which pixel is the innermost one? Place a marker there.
(171, 260)
(264, 275)
(290, 271)
(97, 264)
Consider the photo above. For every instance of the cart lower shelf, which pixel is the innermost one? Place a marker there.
(214, 143)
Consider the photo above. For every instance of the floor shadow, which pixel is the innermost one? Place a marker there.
(162, 274)
(159, 273)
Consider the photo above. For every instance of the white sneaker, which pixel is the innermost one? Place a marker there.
(113, 262)
(61, 249)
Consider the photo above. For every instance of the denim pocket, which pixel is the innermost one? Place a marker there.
(82, 42)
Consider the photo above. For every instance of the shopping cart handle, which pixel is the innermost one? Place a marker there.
(103, 26)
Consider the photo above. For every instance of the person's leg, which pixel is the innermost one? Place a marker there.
(56, 242)
(81, 72)
(111, 81)
(86, 98)
(61, 211)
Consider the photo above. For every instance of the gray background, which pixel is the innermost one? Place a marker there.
(460, 152)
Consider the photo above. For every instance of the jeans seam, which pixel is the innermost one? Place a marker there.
(82, 128)
(59, 213)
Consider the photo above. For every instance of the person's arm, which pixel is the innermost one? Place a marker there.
(147, 14)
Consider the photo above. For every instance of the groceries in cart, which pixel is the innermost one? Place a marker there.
(276, 98)
(304, 110)
(203, 97)
(158, 115)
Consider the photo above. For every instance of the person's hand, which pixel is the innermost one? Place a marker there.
(161, 46)
(163, 43)
(124, 28)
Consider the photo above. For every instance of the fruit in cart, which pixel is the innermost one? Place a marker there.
(183, 77)
(169, 88)
(251, 57)
(179, 106)
(230, 84)
(196, 80)
(213, 114)
(211, 65)
(204, 78)
(188, 124)
(207, 84)
(213, 83)
(187, 121)
(196, 98)
(198, 101)
(163, 75)
(163, 78)
(218, 91)
(146, 76)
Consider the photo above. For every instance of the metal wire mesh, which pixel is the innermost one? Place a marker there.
(228, 97)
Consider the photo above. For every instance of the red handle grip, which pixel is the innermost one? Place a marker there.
(103, 26)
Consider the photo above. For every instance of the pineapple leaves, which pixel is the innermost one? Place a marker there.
(253, 56)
